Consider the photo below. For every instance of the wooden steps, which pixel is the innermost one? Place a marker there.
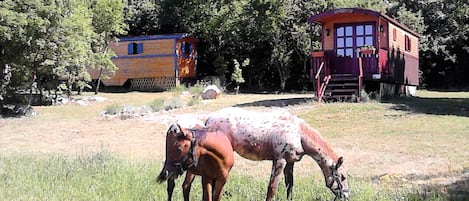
(342, 87)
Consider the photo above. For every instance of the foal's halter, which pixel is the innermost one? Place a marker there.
(191, 154)
(340, 189)
(185, 163)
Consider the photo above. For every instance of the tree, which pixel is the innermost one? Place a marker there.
(37, 25)
(237, 75)
(108, 23)
(11, 25)
(443, 40)
(75, 49)
(447, 57)
(143, 17)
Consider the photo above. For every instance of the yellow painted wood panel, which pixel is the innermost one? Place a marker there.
(138, 68)
(157, 60)
(145, 67)
(161, 46)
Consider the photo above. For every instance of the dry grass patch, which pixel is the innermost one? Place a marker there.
(423, 139)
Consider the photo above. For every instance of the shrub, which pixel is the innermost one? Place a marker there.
(112, 109)
(178, 89)
(195, 100)
(173, 103)
(196, 89)
(157, 104)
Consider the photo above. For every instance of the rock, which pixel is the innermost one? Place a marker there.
(98, 98)
(210, 92)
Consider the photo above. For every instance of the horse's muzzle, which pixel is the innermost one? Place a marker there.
(344, 195)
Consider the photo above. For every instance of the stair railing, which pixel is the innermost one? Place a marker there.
(324, 84)
(318, 82)
(321, 85)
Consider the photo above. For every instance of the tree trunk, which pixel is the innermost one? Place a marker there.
(99, 81)
(282, 77)
(33, 79)
(101, 69)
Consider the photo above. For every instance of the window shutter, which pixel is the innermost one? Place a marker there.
(407, 43)
(140, 48)
(130, 48)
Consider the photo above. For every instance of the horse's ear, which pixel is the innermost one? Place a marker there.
(175, 129)
(339, 162)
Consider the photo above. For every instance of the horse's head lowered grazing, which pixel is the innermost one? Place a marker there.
(331, 165)
(337, 181)
(283, 138)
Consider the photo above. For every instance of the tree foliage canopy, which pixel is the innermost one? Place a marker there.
(43, 39)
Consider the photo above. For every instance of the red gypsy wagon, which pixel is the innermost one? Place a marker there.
(363, 50)
(152, 62)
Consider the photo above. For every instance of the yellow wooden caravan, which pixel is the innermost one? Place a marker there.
(152, 62)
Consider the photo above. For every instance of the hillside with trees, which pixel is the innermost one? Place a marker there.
(43, 40)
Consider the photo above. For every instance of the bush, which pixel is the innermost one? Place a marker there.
(112, 109)
(195, 100)
(196, 89)
(157, 104)
(173, 103)
(178, 89)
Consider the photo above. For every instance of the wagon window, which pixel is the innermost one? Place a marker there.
(407, 43)
(348, 31)
(368, 29)
(340, 31)
(359, 29)
(135, 48)
(186, 48)
(363, 36)
(344, 41)
(394, 34)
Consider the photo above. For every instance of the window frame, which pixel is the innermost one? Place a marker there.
(134, 48)
(346, 41)
(408, 43)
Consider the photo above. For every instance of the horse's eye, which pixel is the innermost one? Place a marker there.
(343, 178)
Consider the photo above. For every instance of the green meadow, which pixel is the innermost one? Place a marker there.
(398, 149)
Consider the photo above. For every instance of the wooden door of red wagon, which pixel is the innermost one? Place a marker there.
(349, 38)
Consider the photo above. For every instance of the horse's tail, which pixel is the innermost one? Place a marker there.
(163, 176)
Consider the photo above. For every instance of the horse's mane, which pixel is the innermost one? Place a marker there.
(318, 142)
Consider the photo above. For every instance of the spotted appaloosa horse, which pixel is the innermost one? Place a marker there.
(208, 154)
(284, 139)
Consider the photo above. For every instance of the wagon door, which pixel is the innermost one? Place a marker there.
(348, 40)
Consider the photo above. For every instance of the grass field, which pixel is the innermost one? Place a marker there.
(400, 149)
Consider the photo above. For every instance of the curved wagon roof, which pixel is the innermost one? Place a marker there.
(329, 15)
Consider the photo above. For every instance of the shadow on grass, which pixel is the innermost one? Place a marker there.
(437, 106)
(456, 191)
(459, 190)
(276, 102)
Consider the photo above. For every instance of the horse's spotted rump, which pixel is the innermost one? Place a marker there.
(260, 136)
